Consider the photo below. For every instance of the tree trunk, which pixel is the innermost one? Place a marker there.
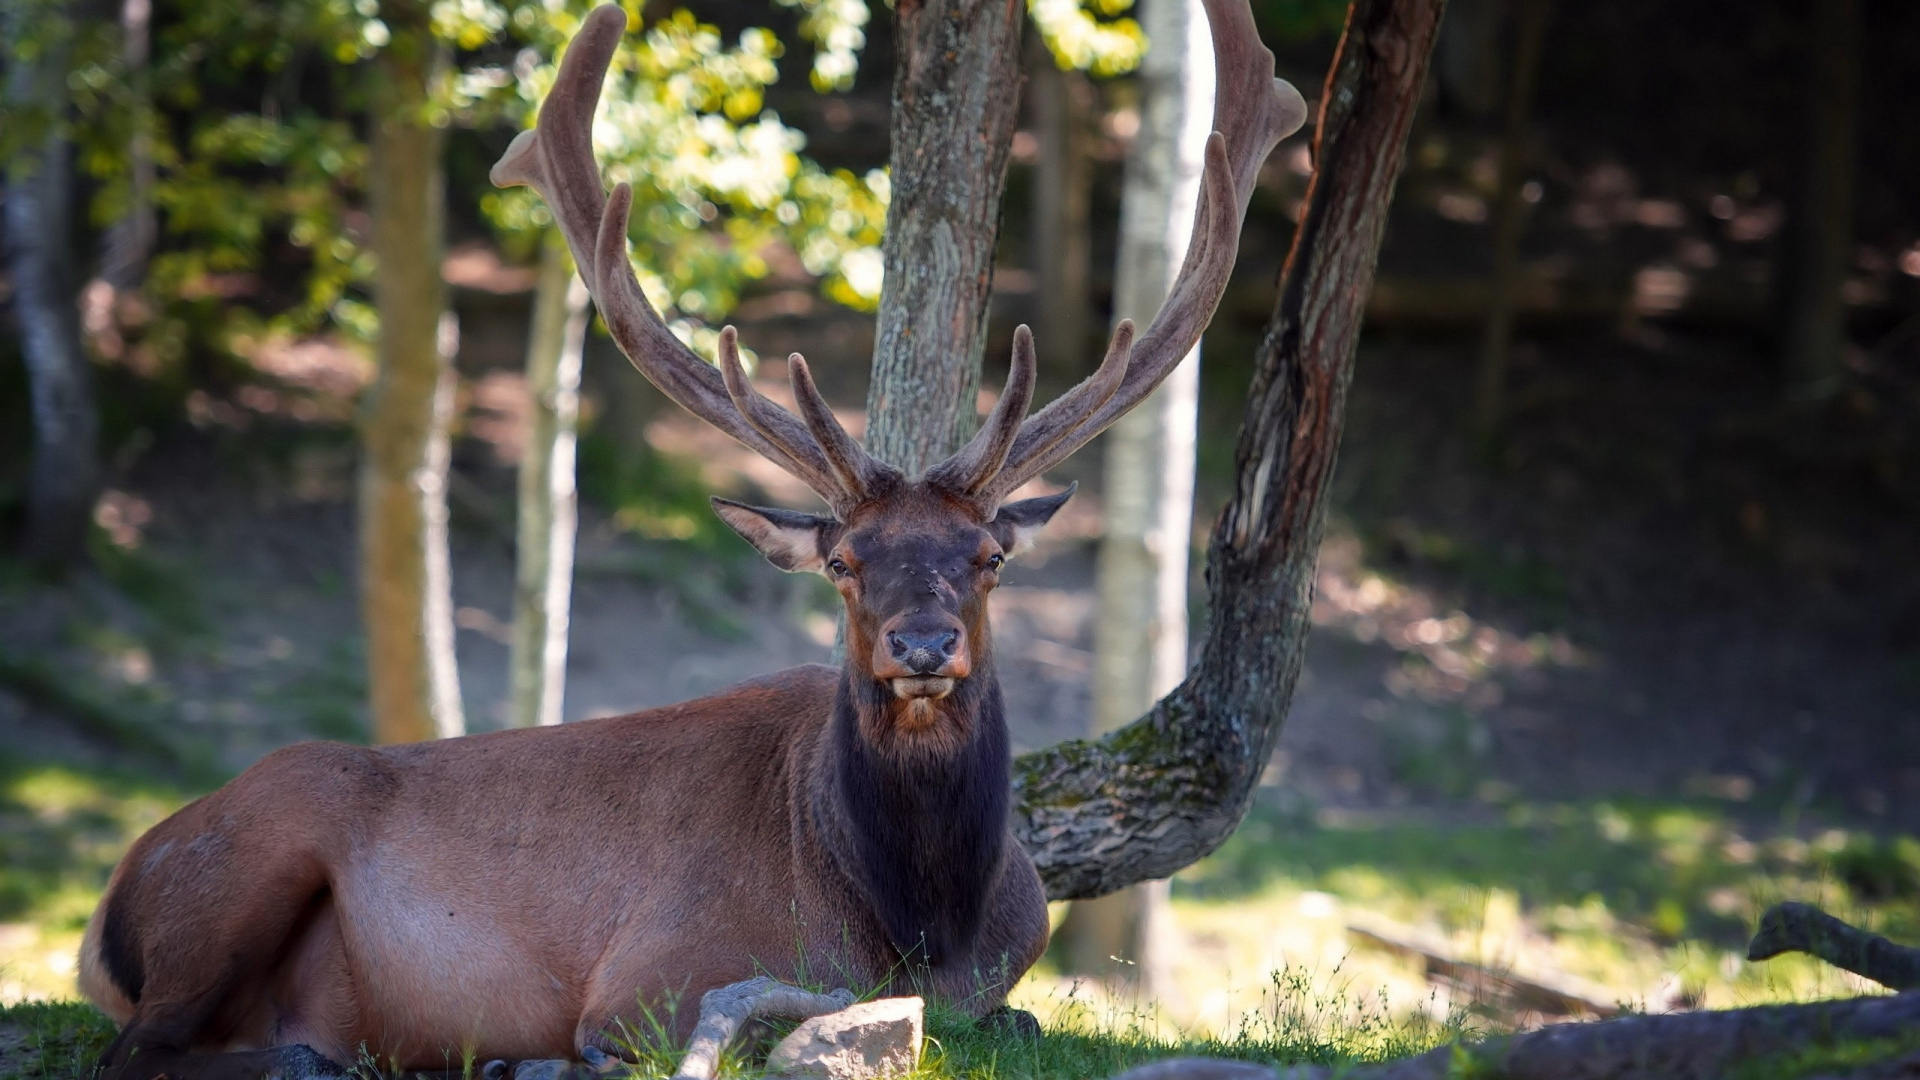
(1169, 788)
(406, 593)
(1140, 638)
(1817, 313)
(129, 242)
(955, 101)
(1062, 202)
(543, 578)
(1509, 219)
(64, 476)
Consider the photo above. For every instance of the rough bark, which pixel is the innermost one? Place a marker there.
(1817, 313)
(1062, 237)
(955, 102)
(548, 505)
(1509, 219)
(406, 593)
(1140, 639)
(64, 475)
(1169, 788)
(1792, 927)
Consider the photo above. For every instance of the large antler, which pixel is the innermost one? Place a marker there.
(555, 158)
(1252, 112)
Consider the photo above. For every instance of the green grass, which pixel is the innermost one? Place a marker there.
(1622, 894)
(62, 829)
(51, 1040)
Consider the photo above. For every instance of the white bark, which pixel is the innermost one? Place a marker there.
(543, 581)
(1140, 639)
(130, 240)
(64, 476)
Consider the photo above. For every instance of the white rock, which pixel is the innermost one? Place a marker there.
(870, 1040)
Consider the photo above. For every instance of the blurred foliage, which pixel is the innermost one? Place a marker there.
(1299, 20)
(717, 179)
(1090, 35)
(249, 113)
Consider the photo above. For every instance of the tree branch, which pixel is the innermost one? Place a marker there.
(1169, 788)
(1792, 927)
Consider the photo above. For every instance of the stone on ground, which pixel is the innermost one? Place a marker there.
(867, 1041)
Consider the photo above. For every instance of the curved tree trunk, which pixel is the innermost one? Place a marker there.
(406, 592)
(955, 102)
(1169, 788)
(549, 504)
(65, 472)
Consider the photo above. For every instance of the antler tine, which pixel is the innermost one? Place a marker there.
(1252, 112)
(969, 471)
(859, 472)
(555, 158)
(1063, 419)
(769, 419)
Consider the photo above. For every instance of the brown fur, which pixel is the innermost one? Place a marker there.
(512, 894)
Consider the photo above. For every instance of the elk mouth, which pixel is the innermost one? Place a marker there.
(923, 686)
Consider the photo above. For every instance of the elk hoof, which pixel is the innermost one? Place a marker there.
(544, 1069)
(599, 1060)
(1007, 1020)
(494, 1070)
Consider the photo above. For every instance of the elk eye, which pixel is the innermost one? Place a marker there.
(994, 562)
(838, 567)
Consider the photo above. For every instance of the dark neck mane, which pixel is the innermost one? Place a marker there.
(924, 814)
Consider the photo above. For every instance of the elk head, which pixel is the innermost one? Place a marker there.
(914, 558)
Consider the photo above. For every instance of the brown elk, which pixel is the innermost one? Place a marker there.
(518, 893)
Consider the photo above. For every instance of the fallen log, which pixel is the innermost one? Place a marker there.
(1678, 1046)
(1538, 992)
(1793, 927)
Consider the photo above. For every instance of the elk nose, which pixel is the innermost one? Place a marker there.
(922, 652)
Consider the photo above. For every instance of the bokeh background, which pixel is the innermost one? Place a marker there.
(1611, 649)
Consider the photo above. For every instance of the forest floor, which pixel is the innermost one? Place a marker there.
(1575, 719)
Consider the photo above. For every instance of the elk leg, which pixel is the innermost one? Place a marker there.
(206, 908)
(279, 1063)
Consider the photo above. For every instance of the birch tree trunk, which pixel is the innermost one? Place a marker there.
(1817, 312)
(1140, 637)
(406, 588)
(954, 108)
(1167, 789)
(548, 507)
(64, 475)
(129, 242)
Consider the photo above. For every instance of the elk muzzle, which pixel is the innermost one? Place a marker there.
(922, 658)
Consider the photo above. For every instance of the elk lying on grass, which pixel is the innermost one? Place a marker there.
(516, 894)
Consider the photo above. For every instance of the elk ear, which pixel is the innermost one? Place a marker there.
(792, 541)
(1017, 526)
